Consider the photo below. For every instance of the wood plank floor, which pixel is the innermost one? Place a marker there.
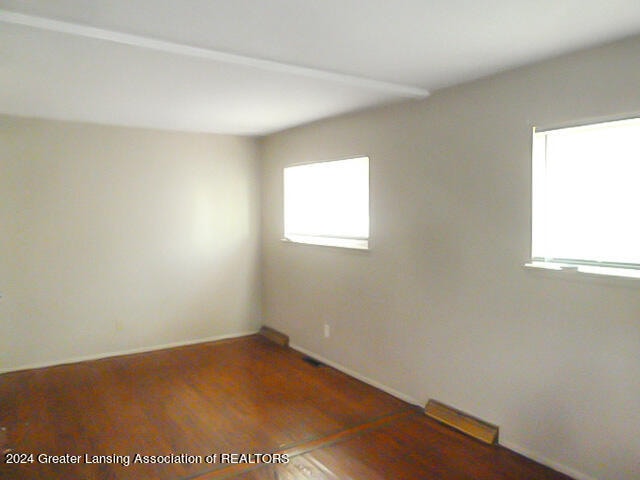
(187, 408)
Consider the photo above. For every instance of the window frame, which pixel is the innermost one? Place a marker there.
(539, 204)
(328, 240)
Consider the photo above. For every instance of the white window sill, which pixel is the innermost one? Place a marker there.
(350, 243)
(585, 270)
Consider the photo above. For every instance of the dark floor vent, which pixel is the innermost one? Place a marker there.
(313, 361)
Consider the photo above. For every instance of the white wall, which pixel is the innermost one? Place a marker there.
(117, 239)
(441, 306)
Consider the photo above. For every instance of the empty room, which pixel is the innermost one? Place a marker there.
(298, 239)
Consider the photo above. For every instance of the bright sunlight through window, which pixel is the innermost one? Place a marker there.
(586, 196)
(327, 203)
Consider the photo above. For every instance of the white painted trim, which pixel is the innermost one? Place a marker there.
(624, 274)
(407, 398)
(391, 391)
(127, 352)
(558, 467)
(79, 30)
(363, 378)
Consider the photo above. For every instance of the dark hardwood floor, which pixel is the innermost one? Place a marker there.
(182, 413)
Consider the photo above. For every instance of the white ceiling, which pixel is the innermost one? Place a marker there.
(257, 66)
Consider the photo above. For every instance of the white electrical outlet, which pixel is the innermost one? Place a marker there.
(327, 330)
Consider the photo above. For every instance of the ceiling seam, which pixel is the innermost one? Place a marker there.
(80, 30)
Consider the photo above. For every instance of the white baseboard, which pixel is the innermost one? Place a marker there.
(127, 352)
(354, 374)
(558, 467)
(407, 398)
(391, 391)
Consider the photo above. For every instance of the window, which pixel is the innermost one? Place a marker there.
(586, 198)
(327, 203)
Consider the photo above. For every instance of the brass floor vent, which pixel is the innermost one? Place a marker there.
(275, 336)
(463, 422)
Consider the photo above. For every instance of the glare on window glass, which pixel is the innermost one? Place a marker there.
(586, 193)
(328, 199)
